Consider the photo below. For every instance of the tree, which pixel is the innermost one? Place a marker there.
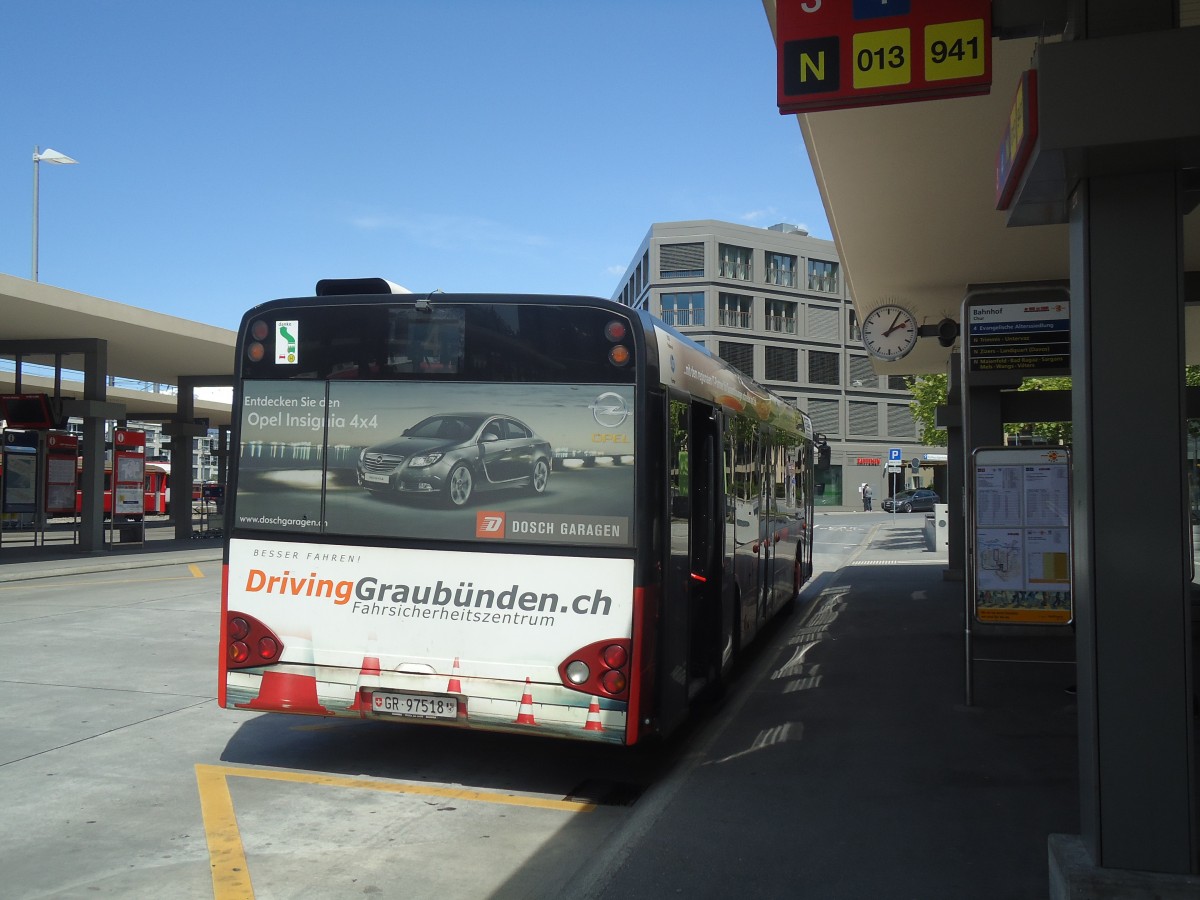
(929, 392)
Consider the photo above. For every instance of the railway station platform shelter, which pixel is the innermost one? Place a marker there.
(1069, 177)
(72, 347)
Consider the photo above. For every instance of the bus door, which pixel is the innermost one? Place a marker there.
(710, 624)
(691, 634)
(766, 517)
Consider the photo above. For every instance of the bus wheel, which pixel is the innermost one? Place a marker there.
(540, 476)
(459, 485)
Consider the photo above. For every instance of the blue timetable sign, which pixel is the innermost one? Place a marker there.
(838, 54)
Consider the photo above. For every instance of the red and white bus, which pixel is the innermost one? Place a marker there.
(541, 514)
(156, 497)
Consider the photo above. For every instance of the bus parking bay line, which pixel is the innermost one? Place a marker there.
(227, 857)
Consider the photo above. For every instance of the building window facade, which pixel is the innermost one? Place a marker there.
(681, 261)
(862, 375)
(735, 262)
(780, 316)
(735, 311)
(823, 367)
(823, 276)
(683, 309)
(824, 415)
(900, 421)
(740, 356)
(782, 364)
(863, 418)
(781, 269)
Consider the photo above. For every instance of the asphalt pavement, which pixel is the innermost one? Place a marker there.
(844, 761)
(850, 764)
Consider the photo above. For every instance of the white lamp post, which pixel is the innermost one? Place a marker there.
(50, 156)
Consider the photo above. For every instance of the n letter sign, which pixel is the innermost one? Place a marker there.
(837, 54)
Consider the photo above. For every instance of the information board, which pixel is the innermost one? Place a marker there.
(837, 54)
(129, 473)
(1017, 334)
(62, 454)
(1021, 525)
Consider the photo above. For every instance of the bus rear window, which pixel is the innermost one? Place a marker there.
(512, 342)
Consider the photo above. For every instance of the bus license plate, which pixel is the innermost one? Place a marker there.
(421, 706)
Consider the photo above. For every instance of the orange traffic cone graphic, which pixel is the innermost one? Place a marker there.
(525, 715)
(290, 691)
(593, 717)
(455, 687)
(368, 681)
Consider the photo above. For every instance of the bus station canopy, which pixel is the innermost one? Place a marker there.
(909, 189)
(142, 346)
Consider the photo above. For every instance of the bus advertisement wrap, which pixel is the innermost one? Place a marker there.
(422, 617)
(464, 461)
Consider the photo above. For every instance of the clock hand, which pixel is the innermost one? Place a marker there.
(895, 324)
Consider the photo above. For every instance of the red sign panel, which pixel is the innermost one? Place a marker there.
(125, 439)
(837, 54)
(1019, 137)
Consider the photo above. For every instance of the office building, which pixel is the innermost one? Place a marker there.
(773, 303)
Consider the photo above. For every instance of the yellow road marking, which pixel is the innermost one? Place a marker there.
(195, 570)
(227, 858)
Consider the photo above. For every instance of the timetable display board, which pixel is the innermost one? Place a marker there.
(1017, 335)
(1021, 527)
(838, 54)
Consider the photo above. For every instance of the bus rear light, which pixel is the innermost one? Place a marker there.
(249, 642)
(256, 350)
(598, 669)
(614, 682)
(619, 355)
(615, 330)
(615, 656)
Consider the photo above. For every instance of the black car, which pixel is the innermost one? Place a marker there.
(456, 455)
(919, 500)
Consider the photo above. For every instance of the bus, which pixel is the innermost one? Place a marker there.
(551, 515)
(156, 497)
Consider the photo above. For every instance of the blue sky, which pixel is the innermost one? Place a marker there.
(233, 151)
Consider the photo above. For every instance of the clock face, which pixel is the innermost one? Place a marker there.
(889, 332)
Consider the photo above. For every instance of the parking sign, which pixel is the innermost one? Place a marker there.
(894, 455)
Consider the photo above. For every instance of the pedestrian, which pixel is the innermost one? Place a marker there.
(867, 495)
(862, 495)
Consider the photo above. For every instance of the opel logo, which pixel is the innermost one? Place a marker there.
(609, 410)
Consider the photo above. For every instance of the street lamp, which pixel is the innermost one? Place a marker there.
(50, 156)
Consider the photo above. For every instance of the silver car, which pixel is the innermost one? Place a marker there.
(457, 455)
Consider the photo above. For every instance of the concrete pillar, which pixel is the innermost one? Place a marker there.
(1137, 801)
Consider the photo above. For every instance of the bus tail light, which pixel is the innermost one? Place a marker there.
(600, 669)
(616, 331)
(248, 642)
(256, 349)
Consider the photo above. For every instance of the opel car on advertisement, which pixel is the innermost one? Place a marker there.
(456, 455)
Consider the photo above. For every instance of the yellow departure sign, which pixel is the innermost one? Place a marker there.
(837, 54)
